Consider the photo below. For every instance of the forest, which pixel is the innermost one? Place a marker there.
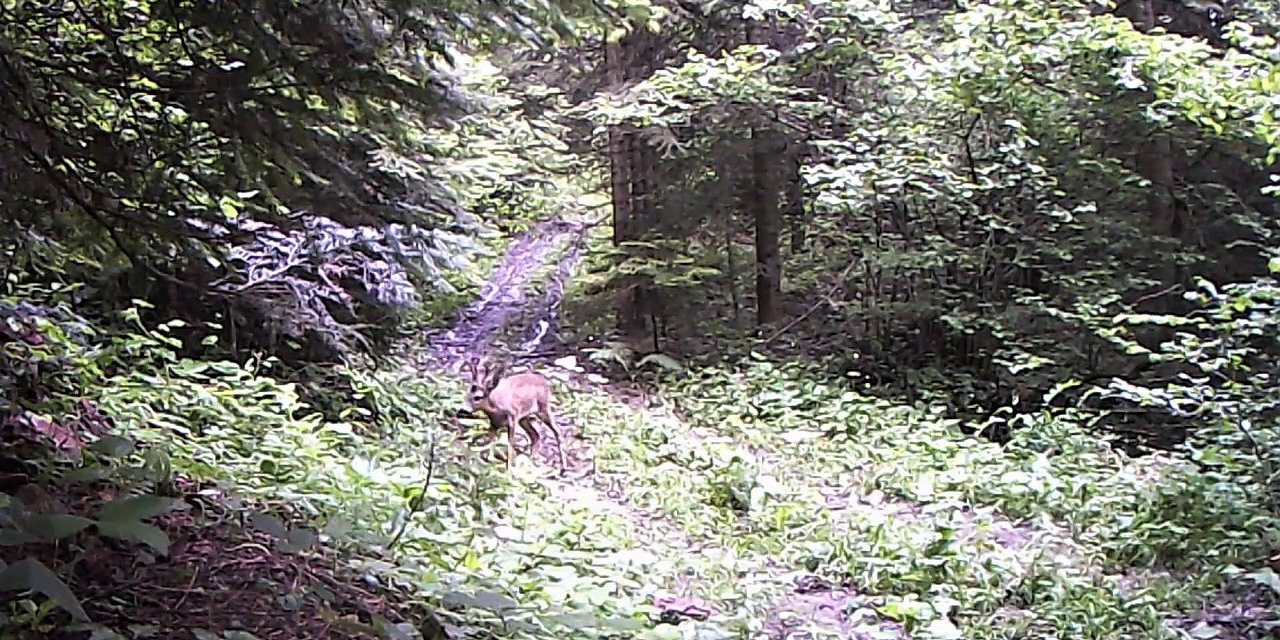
(656, 319)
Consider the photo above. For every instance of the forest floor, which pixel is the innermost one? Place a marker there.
(762, 501)
(733, 523)
(679, 556)
(695, 572)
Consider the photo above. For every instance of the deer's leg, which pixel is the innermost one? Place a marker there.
(496, 424)
(544, 414)
(511, 442)
(526, 423)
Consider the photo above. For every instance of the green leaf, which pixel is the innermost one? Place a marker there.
(574, 620)
(135, 508)
(134, 531)
(229, 208)
(97, 632)
(55, 526)
(943, 629)
(1267, 578)
(13, 538)
(31, 574)
(665, 631)
(392, 631)
(458, 599)
(92, 473)
(493, 601)
(624, 624)
(1204, 631)
(662, 360)
(336, 528)
(114, 446)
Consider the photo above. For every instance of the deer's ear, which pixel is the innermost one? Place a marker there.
(480, 371)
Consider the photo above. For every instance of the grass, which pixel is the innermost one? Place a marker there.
(770, 475)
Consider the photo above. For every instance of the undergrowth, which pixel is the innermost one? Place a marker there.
(1078, 519)
(731, 486)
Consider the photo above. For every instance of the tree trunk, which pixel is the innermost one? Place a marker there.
(764, 201)
(644, 218)
(619, 158)
(622, 177)
(1154, 159)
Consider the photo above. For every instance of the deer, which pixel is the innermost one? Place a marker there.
(511, 401)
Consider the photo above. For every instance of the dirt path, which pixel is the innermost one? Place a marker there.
(510, 313)
(505, 309)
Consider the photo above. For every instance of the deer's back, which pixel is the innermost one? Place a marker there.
(520, 393)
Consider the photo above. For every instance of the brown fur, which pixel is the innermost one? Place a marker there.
(514, 400)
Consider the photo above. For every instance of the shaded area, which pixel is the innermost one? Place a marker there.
(218, 576)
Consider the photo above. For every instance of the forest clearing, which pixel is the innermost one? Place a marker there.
(659, 319)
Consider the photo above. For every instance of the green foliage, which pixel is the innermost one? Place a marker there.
(33, 526)
(270, 162)
(977, 232)
(352, 480)
(775, 468)
(508, 163)
(939, 518)
(508, 159)
(1229, 387)
(979, 208)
